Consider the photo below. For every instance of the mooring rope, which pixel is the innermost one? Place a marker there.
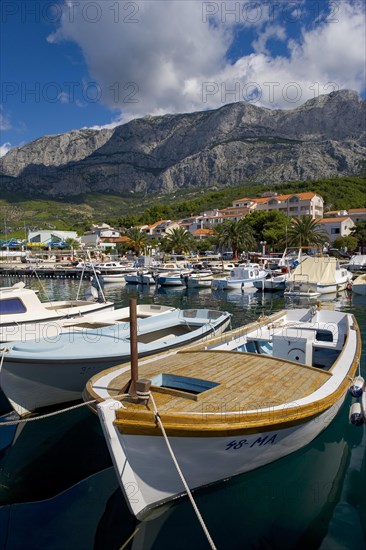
(47, 415)
(3, 350)
(55, 413)
(130, 538)
(200, 519)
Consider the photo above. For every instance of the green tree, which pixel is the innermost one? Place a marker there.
(359, 231)
(269, 226)
(349, 242)
(73, 243)
(138, 240)
(179, 241)
(235, 235)
(305, 231)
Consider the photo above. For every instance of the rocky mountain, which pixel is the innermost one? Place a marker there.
(325, 137)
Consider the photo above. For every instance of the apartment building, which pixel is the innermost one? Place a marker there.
(294, 205)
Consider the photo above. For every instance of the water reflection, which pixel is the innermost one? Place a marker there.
(287, 504)
(312, 499)
(43, 457)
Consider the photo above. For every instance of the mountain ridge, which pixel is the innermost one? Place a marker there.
(324, 137)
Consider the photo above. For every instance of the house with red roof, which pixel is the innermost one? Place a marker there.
(339, 226)
(293, 205)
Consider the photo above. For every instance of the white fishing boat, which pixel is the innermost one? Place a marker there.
(20, 306)
(241, 277)
(109, 268)
(172, 278)
(141, 277)
(220, 266)
(36, 374)
(200, 279)
(113, 278)
(357, 263)
(317, 275)
(51, 330)
(251, 397)
(173, 267)
(359, 285)
(272, 282)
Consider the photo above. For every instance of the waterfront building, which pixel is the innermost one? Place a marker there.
(293, 205)
(339, 226)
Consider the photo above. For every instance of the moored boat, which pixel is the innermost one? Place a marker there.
(141, 277)
(253, 396)
(272, 282)
(357, 263)
(51, 330)
(241, 277)
(113, 278)
(201, 279)
(359, 285)
(36, 374)
(173, 278)
(317, 275)
(21, 306)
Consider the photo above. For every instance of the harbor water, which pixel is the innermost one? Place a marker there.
(58, 489)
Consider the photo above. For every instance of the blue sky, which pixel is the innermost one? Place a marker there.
(68, 64)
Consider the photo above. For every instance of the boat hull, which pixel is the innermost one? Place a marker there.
(148, 483)
(139, 279)
(359, 285)
(113, 278)
(315, 289)
(359, 289)
(170, 281)
(32, 384)
(199, 283)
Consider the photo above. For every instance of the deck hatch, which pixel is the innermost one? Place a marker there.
(183, 383)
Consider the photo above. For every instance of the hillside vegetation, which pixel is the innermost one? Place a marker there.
(19, 213)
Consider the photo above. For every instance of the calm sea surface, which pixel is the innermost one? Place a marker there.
(58, 489)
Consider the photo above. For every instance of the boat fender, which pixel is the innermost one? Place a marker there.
(357, 386)
(363, 404)
(355, 415)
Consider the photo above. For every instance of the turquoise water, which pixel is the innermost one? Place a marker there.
(58, 489)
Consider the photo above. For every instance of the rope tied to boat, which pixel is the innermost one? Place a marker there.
(59, 411)
(47, 415)
(3, 350)
(195, 508)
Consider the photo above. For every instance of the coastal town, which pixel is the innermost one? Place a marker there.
(108, 242)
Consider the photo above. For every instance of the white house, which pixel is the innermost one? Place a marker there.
(340, 226)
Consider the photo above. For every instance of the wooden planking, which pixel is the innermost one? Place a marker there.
(247, 379)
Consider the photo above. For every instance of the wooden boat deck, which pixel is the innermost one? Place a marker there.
(247, 384)
(253, 392)
(245, 381)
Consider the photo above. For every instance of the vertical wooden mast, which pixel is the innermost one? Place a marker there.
(133, 346)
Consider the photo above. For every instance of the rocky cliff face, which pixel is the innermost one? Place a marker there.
(239, 142)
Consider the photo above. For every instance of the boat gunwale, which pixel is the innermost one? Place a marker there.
(265, 420)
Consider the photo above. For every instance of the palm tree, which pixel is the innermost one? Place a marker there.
(73, 243)
(305, 231)
(235, 235)
(178, 240)
(138, 240)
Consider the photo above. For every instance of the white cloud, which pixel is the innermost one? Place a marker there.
(271, 31)
(161, 62)
(4, 121)
(5, 148)
(64, 97)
